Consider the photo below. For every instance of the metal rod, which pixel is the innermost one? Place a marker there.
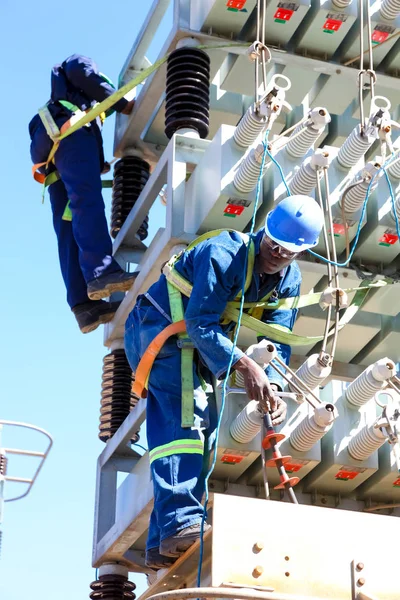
(349, 62)
(371, 59)
(335, 267)
(263, 460)
(18, 479)
(227, 592)
(45, 454)
(294, 383)
(284, 134)
(394, 387)
(361, 75)
(329, 266)
(23, 452)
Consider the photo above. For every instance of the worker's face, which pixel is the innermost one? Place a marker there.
(273, 257)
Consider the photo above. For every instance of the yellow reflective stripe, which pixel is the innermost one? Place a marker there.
(185, 446)
(49, 123)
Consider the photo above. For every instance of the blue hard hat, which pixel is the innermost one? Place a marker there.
(295, 223)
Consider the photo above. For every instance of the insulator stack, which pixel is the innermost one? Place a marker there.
(390, 9)
(341, 3)
(370, 381)
(112, 587)
(366, 442)
(312, 372)
(304, 180)
(299, 143)
(188, 91)
(3, 463)
(394, 171)
(249, 127)
(353, 200)
(130, 176)
(249, 171)
(247, 424)
(354, 148)
(397, 208)
(117, 399)
(312, 428)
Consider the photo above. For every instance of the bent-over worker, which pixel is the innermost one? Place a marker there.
(84, 245)
(212, 273)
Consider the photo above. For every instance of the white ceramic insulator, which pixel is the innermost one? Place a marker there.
(249, 128)
(304, 180)
(366, 442)
(312, 428)
(247, 424)
(312, 373)
(248, 173)
(354, 148)
(390, 9)
(355, 197)
(310, 131)
(341, 3)
(397, 207)
(371, 380)
(239, 379)
(394, 171)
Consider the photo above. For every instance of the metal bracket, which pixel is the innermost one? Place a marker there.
(359, 581)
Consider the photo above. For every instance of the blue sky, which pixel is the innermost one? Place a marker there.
(50, 372)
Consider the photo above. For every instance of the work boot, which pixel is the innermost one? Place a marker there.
(94, 313)
(177, 544)
(104, 286)
(156, 561)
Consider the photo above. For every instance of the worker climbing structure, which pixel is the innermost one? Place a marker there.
(257, 100)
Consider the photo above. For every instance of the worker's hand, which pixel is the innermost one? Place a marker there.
(256, 382)
(106, 168)
(279, 414)
(128, 108)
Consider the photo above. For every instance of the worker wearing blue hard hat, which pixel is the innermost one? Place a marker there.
(84, 245)
(196, 286)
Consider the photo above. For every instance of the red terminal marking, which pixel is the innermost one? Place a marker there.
(233, 209)
(346, 475)
(332, 25)
(379, 36)
(283, 14)
(388, 239)
(396, 483)
(232, 459)
(238, 4)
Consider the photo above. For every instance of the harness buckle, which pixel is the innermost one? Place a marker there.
(185, 342)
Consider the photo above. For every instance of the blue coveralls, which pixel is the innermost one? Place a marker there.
(180, 457)
(84, 245)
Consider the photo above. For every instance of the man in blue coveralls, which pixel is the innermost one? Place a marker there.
(179, 456)
(84, 245)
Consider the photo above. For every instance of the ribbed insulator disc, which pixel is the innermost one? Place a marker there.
(187, 91)
(117, 399)
(130, 176)
(112, 587)
(3, 464)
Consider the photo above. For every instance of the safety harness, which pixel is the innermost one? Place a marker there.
(54, 133)
(177, 286)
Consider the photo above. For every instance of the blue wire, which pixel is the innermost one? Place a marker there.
(223, 394)
(364, 208)
(392, 198)
(280, 171)
(140, 446)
